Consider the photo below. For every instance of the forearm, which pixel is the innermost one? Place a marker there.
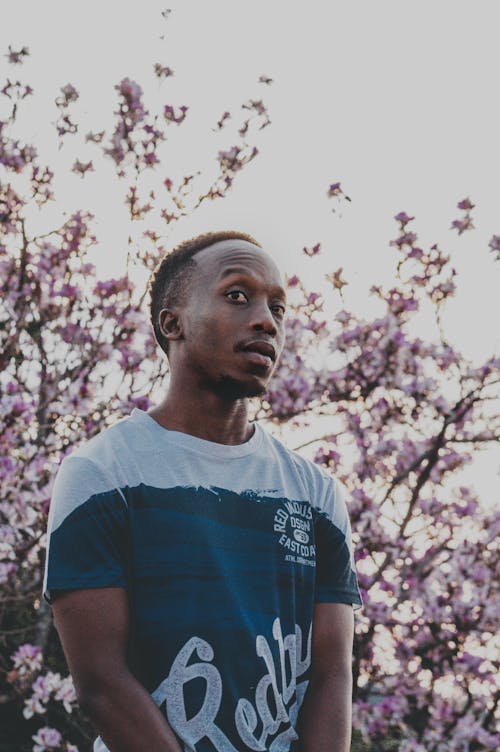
(326, 714)
(127, 718)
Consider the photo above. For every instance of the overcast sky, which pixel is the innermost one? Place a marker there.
(396, 100)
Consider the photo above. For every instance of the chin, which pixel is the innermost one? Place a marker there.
(231, 388)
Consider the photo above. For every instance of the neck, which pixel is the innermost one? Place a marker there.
(204, 414)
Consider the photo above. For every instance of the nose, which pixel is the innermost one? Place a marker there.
(263, 319)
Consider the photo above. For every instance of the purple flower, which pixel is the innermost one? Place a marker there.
(312, 251)
(171, 117)
(27, 658)
(94, 138)
(17, 57)
(132, 94)
(334, 190)
(142, 403)
(336, 279)
(494, 246)
(81, 168)
(407, 238)
(225, 116)
(6, 569)
(466, 204)
(403, 217)
(162, 71)
(462, 224)
(46, 739)
(69, 93)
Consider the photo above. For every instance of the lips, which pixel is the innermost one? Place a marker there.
(261, 347)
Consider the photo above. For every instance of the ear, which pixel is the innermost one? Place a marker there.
(169, 324)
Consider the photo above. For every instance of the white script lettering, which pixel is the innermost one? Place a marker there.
(277, 699)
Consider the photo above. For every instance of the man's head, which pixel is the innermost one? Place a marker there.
(217, 309)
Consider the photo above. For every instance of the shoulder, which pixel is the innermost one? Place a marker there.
(92, 468)
(102, 445)
(109, 453)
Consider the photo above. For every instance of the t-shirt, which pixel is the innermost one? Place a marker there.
(224, 550)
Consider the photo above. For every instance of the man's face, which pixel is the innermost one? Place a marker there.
(233, 319)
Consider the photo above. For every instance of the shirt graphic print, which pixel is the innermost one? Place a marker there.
(223, 550)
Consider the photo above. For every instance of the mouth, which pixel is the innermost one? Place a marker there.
(260, 352)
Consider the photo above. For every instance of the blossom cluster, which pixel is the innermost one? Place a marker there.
(465, 221)
(47, 687)
(48, 739)
(65, 124)
(407, 415)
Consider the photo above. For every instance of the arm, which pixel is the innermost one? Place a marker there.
(93, 626)
(325, 715)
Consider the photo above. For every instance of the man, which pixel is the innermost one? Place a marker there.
(201, 574)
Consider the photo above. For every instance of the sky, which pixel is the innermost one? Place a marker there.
(396, 100)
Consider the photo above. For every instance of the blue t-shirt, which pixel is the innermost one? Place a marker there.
(224, 551)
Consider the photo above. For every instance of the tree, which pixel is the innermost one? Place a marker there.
(406, 416)
(402, 416)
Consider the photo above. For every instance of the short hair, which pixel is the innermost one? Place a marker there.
(170, 280)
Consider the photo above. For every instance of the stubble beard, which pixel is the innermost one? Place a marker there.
(231, 389)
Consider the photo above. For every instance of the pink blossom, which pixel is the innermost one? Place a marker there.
(162, 71)
(17, 57)
(494, 245)
(81, 168)
(313, 298)
(132, 93)
(69, 94)
(47, 687)
(336, 279)
(13, 156)
(130, 115)
(407, 238)
(234, 159)
(46, 739)
(142, 403)
(466, 204)
(66, 694)
(41, 181)
(313, 251)
(328, 457)
(171, 117)
(94, 138)
(334, 190)
(6, 570)
(461, 225)
(343, 316)
(27, 658)
(65, 124)
(16, 91)
(259, 108)
(225, 116)
(403, 217)
(230, 159)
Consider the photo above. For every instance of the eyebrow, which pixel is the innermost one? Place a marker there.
(239, 271)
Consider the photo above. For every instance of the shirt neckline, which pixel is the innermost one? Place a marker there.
(194, 443)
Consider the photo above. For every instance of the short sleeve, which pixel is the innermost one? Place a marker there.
(336, 580)
(87, 537)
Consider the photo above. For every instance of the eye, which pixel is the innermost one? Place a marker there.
(237, 296)
(278, 308)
